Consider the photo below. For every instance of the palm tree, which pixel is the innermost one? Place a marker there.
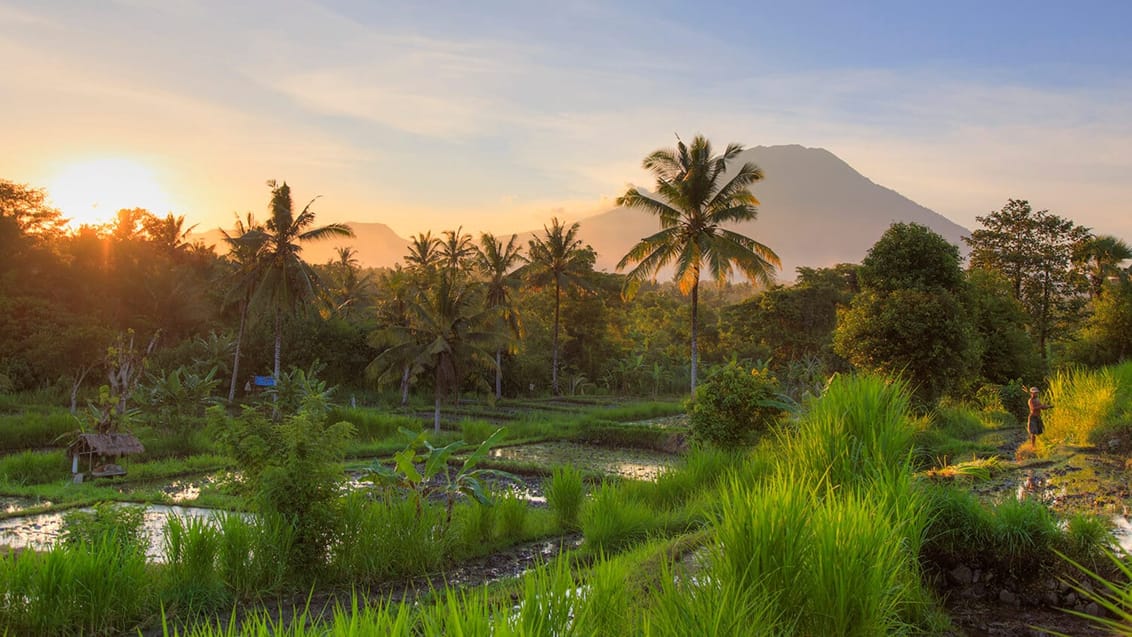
(496, 262)
(349, 288)
(395, 289)
(244, 247)
(1101, 257)
(559, 257)
(457, 250)
(695, 198)
(424, 254)
(285, 280)
(447, 328)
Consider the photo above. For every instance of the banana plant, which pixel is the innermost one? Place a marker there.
(433, 478)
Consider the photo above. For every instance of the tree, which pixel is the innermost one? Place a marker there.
(496, 263)
(424, 254)
(285, 280)
(457, 252)
(1106, 336)
(245, 246)
(560, 258)
(348, 287)
(909, 319)
(1034, 250)
(396, 289)
(1007, 350)
(29, 209)
(695, 199)
(1100, 256)
(448, 327)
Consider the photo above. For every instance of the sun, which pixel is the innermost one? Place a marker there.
(91, 192)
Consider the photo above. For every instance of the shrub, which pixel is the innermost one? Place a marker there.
(122, 525)
(564, 493)
(734, 404)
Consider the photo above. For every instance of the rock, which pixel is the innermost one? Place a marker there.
(1006, 597)
(1070, 599)
(1050, 598)
(1092, 608)
(960, 575)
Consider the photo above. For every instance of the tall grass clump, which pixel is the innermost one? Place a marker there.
(1091, 405)
(33, 467)
(194, 582)
(701, 469)
(612, 520)
(99, 588)
(475, 432)
(859, 429)
(387, 538)
(372, 424)
(565, 492)
(512, 516)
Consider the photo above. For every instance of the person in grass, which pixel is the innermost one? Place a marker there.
(1034, 423)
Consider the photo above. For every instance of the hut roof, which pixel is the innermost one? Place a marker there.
(116, 444)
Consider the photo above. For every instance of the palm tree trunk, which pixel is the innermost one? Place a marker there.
(236, 358)
(405, 386)
(695, 327)
(278, 340)
(554, 364)
(498, 373)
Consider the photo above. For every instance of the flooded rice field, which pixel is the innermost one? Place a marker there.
(40, 531)
(637, 464)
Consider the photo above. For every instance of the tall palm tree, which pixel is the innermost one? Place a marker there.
(244, 247)
(424, 254)
(695, 197)
(1101, 257)
(448, 327)
(348, 288)
(285, 280)
(457, 250)
(558, 257)
(396, 288)
(496, 263)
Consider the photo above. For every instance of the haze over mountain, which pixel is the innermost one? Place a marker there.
(815, 211)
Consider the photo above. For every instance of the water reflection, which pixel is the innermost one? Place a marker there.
(40, 531)
(636, 464)
(1122, 530)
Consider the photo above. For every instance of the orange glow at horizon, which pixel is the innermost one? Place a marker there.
(91, 192)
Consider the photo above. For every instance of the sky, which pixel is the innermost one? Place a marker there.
(498, 115)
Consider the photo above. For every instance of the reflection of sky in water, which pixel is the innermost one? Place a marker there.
(41, 531)
(627, 463)
(15, 505)
(1122, 529)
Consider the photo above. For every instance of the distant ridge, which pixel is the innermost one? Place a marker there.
(815, 211)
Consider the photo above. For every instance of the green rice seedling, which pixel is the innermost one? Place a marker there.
(511, 517)
(194, 582)
(857, 571)
(611, 520)
(234, 554)
(82, 589)
(762, 536)
(34, 467)
(1024, 533)
(681, 605)
(475, 432)
(859, 427)
(960, 527)
(565, 492)
(702, 468)
(373, 424)
(1086, 538)
(1083, 402)
(352, 620)
(388, 538)
(475, 526)
(37, 427)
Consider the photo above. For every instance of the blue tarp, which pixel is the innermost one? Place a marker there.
(265, 381)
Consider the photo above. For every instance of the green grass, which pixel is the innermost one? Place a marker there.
(565, 492)
(36, 427)
(1090, 406)
(34, 467)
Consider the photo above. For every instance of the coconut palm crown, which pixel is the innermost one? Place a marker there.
(694, 198)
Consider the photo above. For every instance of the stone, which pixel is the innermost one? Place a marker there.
(1006, 597)
(1071, 598)
(1094, 609)
(960, 575)
(1050, 598)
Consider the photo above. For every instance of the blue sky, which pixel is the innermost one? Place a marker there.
(497, 115)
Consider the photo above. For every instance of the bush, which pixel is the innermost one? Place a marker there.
(733, 405)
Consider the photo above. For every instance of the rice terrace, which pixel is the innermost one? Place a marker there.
(517, 350)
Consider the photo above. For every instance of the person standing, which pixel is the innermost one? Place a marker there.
(1034, 424)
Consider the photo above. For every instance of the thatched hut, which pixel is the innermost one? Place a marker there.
(102, 452)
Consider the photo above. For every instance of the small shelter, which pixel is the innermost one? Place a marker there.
(103, 452)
